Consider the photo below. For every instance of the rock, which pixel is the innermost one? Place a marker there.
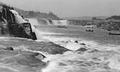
(33, 54)
(40, 56)
(82, 49)
(76, 41)
(82, 44)
(9, 48)
(50, 48)
(29, 53)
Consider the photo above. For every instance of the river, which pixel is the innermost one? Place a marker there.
(102, 55)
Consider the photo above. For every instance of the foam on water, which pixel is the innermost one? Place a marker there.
(107, 57)
(73, 62)
(76, 61)
(69, 43)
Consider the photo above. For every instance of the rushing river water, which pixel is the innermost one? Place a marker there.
(102, 52)
(88, 51)
(97, 57)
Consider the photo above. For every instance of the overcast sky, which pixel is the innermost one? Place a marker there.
(70, 8)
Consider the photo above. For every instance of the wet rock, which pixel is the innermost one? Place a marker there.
(82, 44)
(82, 49)
(76, 41)
(33, 54)
(9, 48)
(29, 53)
(36, 54)
(50, 48)
(40, 56)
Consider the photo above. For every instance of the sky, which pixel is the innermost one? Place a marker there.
(70, 8)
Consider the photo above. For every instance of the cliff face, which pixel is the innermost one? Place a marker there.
(11, 25)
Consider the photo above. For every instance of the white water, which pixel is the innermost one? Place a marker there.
(106, 59)
(85, 62)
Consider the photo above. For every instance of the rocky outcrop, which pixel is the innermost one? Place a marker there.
(16, 30)
(14, 24)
